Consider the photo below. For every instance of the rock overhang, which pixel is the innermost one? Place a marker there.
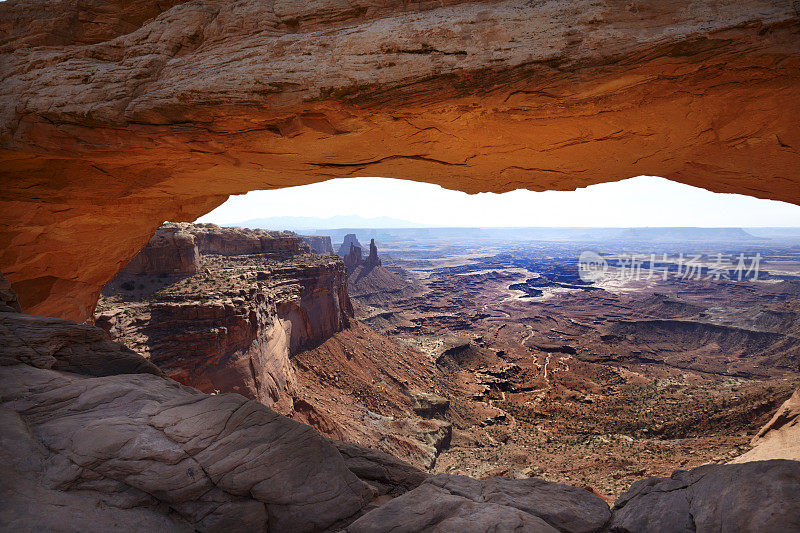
(106, 134)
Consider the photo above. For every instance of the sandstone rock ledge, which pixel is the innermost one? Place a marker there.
(136, 451)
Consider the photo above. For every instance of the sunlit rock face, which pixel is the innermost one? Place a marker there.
(254, 299)
(116, 118)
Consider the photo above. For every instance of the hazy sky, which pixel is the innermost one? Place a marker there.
(640, 201)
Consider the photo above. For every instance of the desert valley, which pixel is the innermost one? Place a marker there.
(481, 352)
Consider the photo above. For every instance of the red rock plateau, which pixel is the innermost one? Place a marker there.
(116, 117)
(253, 299)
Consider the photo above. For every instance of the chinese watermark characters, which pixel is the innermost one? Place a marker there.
(593, 267)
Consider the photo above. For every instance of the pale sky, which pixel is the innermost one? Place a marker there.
(640, 201)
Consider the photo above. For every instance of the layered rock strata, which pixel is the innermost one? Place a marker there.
(319, 245)
(233, 327)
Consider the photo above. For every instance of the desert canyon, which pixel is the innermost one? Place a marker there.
(161, 374)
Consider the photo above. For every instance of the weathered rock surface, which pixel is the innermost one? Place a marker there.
(233, 327)
(319, 244)
(107, 443)
(350, 240)
(749, 497)
(780, 437)
(456, 503)
(172, 251)
(116, 118)
(131, 446)
(54, 343)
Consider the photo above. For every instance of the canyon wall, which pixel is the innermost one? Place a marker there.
(214, 239)
(234, 325)
(319, 245)
(172, 251)
(137, 115)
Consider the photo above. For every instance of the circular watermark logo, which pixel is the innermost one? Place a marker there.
(591, 266)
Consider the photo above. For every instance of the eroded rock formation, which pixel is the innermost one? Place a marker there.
(135, 115)
(231, 328)
(352, 259)
(319, 244)
(350, 241)
(372, 259)
(172, 251)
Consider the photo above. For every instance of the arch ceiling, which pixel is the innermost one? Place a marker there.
(116, 116)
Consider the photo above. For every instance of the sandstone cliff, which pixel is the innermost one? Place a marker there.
(319, 245)
(213, 239)
(234, 326)
(172, 251)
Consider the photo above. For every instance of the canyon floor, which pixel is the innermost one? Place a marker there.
(593, 385)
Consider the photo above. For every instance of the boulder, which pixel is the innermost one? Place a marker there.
(750, 497)
(446, 503)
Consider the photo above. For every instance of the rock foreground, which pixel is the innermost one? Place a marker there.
(107, 443)
(116, 118)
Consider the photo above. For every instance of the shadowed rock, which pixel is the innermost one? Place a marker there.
(750, 497)
(456, 503)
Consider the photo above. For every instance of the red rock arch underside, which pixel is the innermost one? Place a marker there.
(116, 118)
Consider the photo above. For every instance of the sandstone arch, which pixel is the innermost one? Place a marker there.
(118, 116)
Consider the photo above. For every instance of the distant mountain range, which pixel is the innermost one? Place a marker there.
(654, 234)
(336, 222)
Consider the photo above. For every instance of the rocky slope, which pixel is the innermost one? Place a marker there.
(116, 118)
(780, 437)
